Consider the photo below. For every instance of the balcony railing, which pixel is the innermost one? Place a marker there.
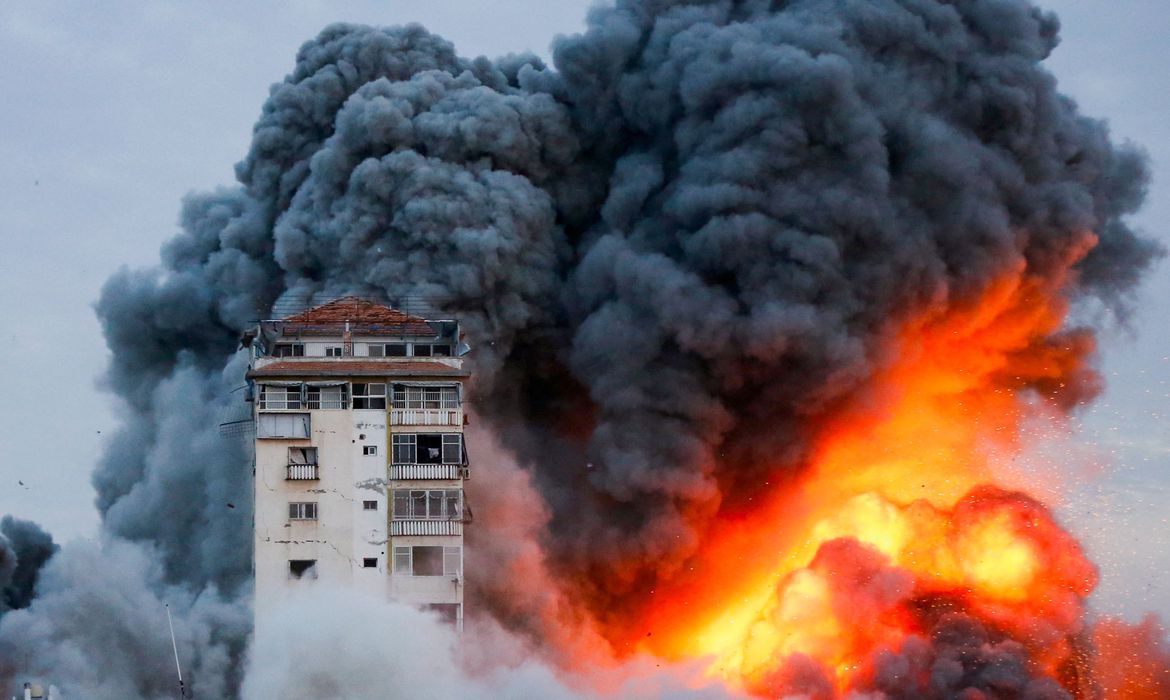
(301, 472)
(428, 471)
(426, 527)
(426, 416)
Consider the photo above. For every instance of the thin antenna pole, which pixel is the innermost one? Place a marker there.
(175, 648)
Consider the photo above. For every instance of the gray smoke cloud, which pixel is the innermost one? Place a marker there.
(675, 250)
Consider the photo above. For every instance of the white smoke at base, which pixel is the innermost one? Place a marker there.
(328, 643)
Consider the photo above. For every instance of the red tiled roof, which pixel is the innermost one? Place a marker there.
(356, 368)
(363, 317)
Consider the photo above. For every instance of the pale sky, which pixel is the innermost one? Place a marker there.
(113, 111)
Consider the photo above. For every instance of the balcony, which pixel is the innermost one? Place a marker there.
(428, 471)
(426, 527)
(426, 416)
(301, 472)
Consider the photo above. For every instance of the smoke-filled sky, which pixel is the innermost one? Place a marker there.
(111, 117)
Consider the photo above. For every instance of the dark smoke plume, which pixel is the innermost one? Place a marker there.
(24, 549)
(675, 251)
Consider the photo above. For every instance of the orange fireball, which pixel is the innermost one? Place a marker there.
(891, 533)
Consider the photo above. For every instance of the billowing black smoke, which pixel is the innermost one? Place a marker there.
(24, 549)
(674, 250)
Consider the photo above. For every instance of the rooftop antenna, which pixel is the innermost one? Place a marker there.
(175, 648)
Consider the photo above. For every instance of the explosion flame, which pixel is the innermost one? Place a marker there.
(895, 535)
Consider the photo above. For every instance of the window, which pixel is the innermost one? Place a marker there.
(404, 449)
(369, 396)
(369, 449)
(435, 448)
(280, 398)
(426, 560)
(290, 398)
(302, 511)
(441, 350)
(402, 560)
(283, 425)
(288, 350)
(369, 562)
(428, 504)
(432, 397)
(302, 568)
(302, 455)
(452, 448)
(333, 351)
(369, 505)
(329, 397)
(422, 350)
(386, 350)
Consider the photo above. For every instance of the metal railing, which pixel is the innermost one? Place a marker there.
(426, 416)
(428, 471)
(426, 527)
(301, 472)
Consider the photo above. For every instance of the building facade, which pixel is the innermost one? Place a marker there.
(359, 456)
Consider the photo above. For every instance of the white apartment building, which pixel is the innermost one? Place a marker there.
(359, 455)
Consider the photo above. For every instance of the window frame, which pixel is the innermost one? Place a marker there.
(404, 559)
(442, 504)
(303, 511)
(436, 397)
(327, 398)
(404, 448)
(368, 398)
(277, 418)
(293, 350)
(290, 398)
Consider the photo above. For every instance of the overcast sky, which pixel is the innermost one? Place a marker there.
(113, 111)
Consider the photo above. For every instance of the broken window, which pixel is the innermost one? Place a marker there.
(283, 425)
(302, 455)
(427, 504)
(302, 568)
(288, 350)
(369, 395)
(302, 511)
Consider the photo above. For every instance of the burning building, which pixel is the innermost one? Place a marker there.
(359, 456)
